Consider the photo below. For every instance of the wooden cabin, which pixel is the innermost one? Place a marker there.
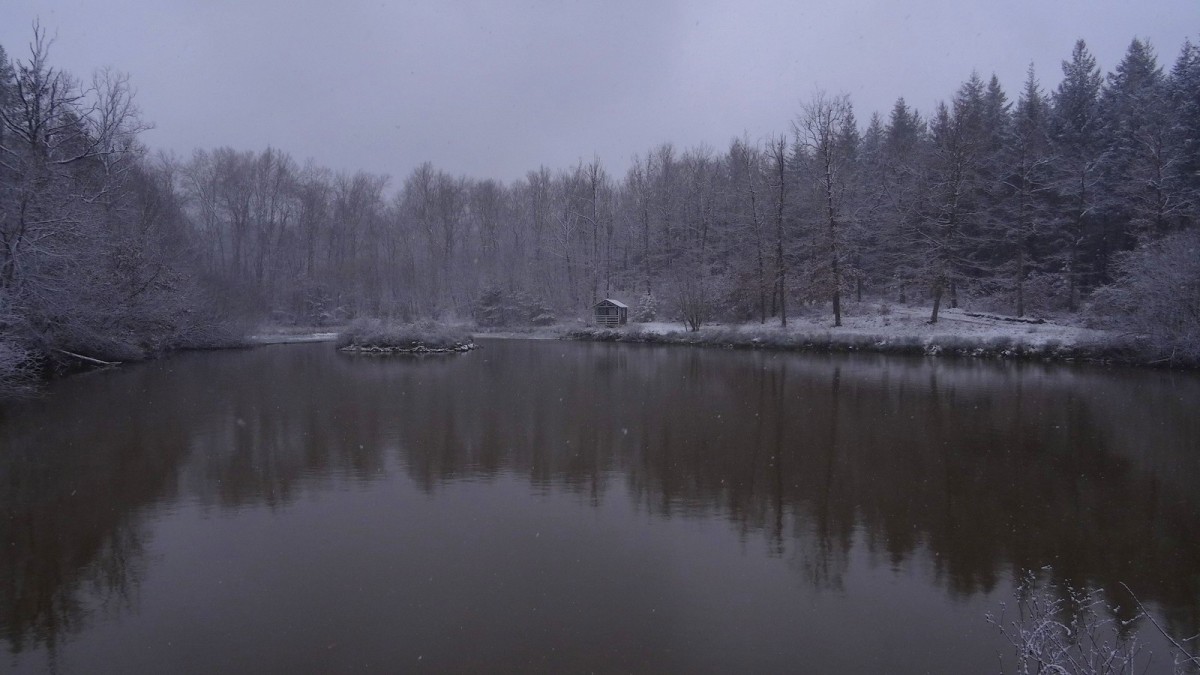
(611, 313)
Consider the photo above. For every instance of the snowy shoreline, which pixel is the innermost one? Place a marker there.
(895, 330)
(283, 339)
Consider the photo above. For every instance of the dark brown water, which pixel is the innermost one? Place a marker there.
(568, 507)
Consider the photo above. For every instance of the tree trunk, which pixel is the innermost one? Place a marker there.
(783, 296)
(834, 268)
(937, 300)
(571, 294)
(762, 287)
(780, 263)
(831, 214)
(1021, 284)
(1076, 241)
(837, 294)
(646, 248)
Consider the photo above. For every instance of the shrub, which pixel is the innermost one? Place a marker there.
(692, 297)
(646, 310)
(17, 369)
(497, 308)
(544, 318)
(1157, 295)
(1058, 628)
(369, 333)
(1065, 630)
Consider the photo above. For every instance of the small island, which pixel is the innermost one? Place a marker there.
(373, 336)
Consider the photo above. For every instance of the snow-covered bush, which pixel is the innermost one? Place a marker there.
(646, 310)
(374, 333)
(1057, 628)
(1061, 629)
(1157, 294)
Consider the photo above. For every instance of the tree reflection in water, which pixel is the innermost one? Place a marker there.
(985, 469)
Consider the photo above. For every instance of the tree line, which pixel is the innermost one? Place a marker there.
(1080, 197)
(96, 246)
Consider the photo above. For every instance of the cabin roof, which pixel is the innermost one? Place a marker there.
(617, 303)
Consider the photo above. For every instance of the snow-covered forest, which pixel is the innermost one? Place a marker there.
(1074, 194)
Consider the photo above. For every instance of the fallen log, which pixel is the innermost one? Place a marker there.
(88, 359)
(1011, 319)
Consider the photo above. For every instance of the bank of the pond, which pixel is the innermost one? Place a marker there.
(291, 338)
(23, 372)
(904, 331)
(937, 345)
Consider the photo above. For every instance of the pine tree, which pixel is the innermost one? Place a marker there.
(1137, 161)
(8, 78)
(1027, 180)
(1184, 90)
(902, 190)
(988, 250)
(647, 309)
(872, 192)
(1076, 139)
(950, 237)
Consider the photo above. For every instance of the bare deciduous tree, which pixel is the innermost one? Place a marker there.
(826, 162)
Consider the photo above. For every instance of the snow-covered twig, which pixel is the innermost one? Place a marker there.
(1188, 657)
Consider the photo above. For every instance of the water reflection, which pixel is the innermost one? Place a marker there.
(73, 503)
(981, 470)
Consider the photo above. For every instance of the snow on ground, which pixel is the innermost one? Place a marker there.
(891, 322)
(898, 321)
(279, 339)
(551, 333)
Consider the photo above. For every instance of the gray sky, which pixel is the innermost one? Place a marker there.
(493, 89)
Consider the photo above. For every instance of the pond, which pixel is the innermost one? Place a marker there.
(559, 506)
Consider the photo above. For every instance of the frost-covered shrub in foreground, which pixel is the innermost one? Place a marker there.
(1057, 628)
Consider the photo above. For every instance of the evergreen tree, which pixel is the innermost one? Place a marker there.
(992, 233)
(997, 126)
(950, 237)
(1137, 168)
(902, 190)
(1077, 146)
(8, 78)
(871, 263)
(1184, 89)
(1025, 211)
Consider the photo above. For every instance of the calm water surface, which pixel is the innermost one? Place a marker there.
(562, 507)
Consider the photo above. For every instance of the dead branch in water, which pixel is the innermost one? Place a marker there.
(88, 359)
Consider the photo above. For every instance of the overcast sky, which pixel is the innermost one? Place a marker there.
(494, 89)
